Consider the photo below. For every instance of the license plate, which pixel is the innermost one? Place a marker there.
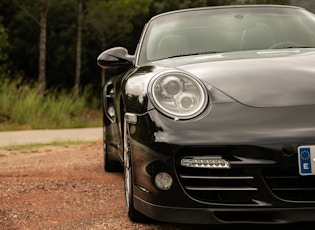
(306, 156)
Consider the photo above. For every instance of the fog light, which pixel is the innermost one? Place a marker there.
(163, 181)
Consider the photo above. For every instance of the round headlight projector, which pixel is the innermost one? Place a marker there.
(171, 86)
(178, 94)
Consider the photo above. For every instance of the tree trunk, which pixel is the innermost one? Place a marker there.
(78, 55)
(43, 6)
(103, 72)
(103, 77)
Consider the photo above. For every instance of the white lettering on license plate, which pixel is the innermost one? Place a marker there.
(306, 155)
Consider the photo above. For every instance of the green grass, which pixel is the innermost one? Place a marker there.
(23, 107)
(36, 146)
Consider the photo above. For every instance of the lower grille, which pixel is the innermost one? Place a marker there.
(218, 186)
(232, 185)
(287, 184)
(252, 169)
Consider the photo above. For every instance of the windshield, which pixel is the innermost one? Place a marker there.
(226, 30)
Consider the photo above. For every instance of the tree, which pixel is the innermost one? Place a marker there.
(310, 5)
(4, 44)
(160, 6)
(78, 51)
(38, 16)
(43, 10)
(62, 43)
(111, 20)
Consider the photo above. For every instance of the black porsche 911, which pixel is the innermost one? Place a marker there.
(213, 118)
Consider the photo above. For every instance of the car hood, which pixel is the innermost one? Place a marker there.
(271, 78)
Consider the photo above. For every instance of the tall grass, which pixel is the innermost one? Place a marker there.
(22, 106)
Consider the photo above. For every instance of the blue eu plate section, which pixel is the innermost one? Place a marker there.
(306, 156)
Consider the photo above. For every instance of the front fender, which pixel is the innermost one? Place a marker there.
(135, 88)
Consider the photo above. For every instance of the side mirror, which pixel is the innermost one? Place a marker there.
(114, 58)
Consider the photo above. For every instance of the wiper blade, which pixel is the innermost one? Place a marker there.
(290, 46)
(206, 52)
(294, 47)
(196, 53)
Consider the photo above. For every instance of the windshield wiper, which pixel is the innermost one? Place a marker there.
(289, 46)
(196, 53)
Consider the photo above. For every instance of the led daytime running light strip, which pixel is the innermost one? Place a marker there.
(205, 162)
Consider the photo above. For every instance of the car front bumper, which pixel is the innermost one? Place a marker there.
(219, 216)
(262, 185)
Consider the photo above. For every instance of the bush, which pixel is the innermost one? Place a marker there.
(22, 106)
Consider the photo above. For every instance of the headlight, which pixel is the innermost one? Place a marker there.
(178, 94)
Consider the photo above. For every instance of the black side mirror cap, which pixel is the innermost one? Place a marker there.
(114, 58)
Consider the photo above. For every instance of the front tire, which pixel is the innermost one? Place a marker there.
(110, 165)
(133, 214)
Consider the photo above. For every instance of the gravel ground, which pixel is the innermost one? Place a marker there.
(66, 188)
(62, 188)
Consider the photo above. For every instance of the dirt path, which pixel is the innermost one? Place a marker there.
(62, 188)
(65, 188)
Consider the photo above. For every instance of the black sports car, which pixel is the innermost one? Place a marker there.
(213, 117)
